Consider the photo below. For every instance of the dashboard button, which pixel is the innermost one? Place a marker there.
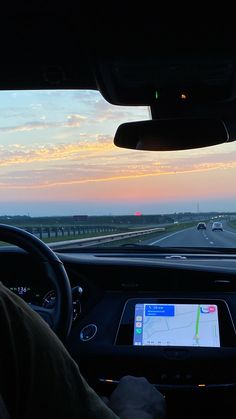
(175, 354)
(88, 332)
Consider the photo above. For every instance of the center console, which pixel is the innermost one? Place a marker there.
(186, 347)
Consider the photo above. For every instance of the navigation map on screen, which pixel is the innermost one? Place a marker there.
(176, 325)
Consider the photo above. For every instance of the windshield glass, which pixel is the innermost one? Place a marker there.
(63, 179)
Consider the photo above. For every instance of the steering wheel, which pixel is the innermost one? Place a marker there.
(59, 317)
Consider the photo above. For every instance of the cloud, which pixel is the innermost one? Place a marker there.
(28, 126)
(104, 111)
(97, 160)
(72, 121)
(102, 147)
(102, 167)
(20, 154)
(102, 139)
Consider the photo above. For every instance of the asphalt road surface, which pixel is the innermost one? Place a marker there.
(192, 237)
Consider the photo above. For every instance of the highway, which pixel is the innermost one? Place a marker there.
(192, 237)
(188, 237)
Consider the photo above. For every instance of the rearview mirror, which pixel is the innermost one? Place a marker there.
(174, 134)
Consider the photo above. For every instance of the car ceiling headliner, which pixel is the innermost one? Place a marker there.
(73, 47)
(70, 37)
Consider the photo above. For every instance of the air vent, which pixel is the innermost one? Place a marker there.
(130, 285)
(222, 282)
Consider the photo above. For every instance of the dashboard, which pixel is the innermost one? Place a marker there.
(42, 295)
(34, 295)
(170, 320)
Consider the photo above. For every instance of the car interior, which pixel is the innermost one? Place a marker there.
(104, 302)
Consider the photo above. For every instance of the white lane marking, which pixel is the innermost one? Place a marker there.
(166, 237)
(207, 238)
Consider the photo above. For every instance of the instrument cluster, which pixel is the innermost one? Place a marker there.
(46, 298)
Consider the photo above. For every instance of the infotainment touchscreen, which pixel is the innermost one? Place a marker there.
(176, 325)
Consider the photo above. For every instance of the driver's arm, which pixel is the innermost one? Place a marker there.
(39, 379)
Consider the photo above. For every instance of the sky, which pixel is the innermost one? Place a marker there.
(57, 157)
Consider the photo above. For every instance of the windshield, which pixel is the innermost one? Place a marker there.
(64, 180)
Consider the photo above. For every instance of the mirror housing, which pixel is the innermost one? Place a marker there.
(174, 134)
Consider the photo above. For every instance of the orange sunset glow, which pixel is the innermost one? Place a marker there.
(66, 154)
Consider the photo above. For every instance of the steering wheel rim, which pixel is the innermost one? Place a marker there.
(60, 317)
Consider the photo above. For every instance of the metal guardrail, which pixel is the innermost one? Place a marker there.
(63, 231)
(103, 239)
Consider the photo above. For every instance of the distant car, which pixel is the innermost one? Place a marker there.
(217, 225)
(201, 226)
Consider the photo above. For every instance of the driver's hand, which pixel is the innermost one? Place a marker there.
(135, 397)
